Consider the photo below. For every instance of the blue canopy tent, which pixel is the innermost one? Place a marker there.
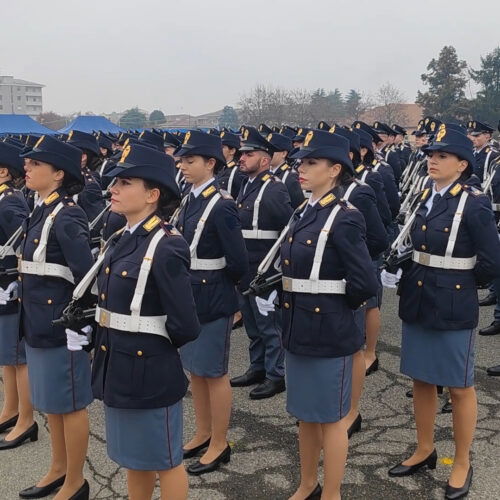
(90, 123)
(21, 124)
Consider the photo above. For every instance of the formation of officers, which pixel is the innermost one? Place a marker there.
(127, 260)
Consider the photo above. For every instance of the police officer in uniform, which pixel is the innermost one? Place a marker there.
(55, 254)
(282, 170)
(17, 411)
(455, 244)
(230, 177)
(327, 273)
(170, 143)
(210, 224)
(401, 145)
(386, 149)
(264, 209)
(484, 152)
(145, 313)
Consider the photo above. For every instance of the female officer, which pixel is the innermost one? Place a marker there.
(145, 312)
(55, 254)
(455, 245)
(210, 223)
(230, 176)
(327, 273)
(17, 411)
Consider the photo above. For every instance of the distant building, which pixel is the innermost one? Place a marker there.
(20, 97)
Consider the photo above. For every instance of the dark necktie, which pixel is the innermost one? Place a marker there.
(435, 201)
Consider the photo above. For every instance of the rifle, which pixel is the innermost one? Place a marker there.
(260, 285)
(8, 272)
(75, 316)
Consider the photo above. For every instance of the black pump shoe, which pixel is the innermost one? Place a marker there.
(194, 451)
(355, 426)
(42, 491)
(372, 368)
(452, 493)
(316, 493)
(197, 469)
(31, 434)
(401, 470)
(8, 424)
(83, 493)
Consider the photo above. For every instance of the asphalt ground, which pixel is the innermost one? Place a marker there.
(265, 462)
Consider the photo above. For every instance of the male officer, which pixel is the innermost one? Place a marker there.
(264, 209)
(386, 148)
(401, 145)
(283, 171)
(484, 153)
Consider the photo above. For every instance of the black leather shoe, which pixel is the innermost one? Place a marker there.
(316, 493)
(42, 491)
(268, 389)
(8, 424)
(493, 329)
(83, 493)
(452, 493)
(31, 434)
(494, 371)
(197, 469)
(401, 470)
(248, 378)
(355, 426)
(489, 300)
(372, 368)
(238, 324)
(447, 408)
(194, 451)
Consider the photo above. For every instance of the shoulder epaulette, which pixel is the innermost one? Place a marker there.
(285, 167)
(231, 164)
(170, 230)
(360, 169)
(425, 194)
(151, 223)
(266, 177)
(3, 188)
(327, 199)
(210, 190)
(225, 195)
(472, 190)
(53, 197)
(68, 201)
(456, 189)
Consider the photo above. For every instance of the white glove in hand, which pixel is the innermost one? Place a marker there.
(75, 340)
(10, 293)
(390, 280)
(266, 306)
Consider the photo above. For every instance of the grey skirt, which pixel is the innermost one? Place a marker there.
(318, 390)
(149, 439)
(12, 350)
(440, 357)
(59, 379)
(208, 355)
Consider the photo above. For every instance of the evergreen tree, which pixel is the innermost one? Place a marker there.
(156, 117)
(133, 118)
(486, 106)
(354, 106)
(229, 118)
(446, 78)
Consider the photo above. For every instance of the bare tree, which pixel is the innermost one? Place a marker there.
(389, 105)
(264, 104)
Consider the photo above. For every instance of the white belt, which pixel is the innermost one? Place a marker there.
(495, 207)
(46, 269)
(208, 264)
(258, 234)
(312, 286)
(123, 322)
(460, 264)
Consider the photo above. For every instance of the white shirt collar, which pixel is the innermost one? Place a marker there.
(197, 191)
(134, 227)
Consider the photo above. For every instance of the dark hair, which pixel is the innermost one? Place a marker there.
(369, 156)
(71, 185)
(219, 165)
(93, 161)
(356, 156)
(345, 176)
(17, 177)
(168, 201)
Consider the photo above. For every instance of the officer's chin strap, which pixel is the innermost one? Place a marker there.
(87, 280)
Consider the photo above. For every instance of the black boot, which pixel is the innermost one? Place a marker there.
(268, 389)
(248, 378)
(494, 371)
(489, 300)
(493, 329)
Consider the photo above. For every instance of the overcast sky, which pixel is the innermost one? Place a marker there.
(194, 56)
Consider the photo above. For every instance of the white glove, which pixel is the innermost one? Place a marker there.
(390, 280)
(75, 341)
(266, 306)
(9, 294)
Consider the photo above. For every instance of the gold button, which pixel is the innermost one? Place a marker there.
(316, 309)
(103, 296)
(424, 227)
(458, 287)
(419, 283)
(287, 262)
(446, 230)
(49, 301)
(240, 205)
(290, 239)
(106, 270)
(139, 353)
(35, 240)
(203, 281)
(124, 273)
(103, 348)
(287, 305)
(423, 247)
(308, 242)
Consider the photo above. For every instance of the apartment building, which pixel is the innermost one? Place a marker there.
(20, 97)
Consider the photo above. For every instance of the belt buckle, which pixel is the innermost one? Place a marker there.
(103, 319)
(425, 259)
(287, 284)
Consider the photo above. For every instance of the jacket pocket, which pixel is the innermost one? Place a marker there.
(455, 296)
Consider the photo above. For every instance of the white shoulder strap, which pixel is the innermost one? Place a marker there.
(231, 179)
(40, 252)
(349, 191)
(256, 205)
(201, 224)
(457, 219)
